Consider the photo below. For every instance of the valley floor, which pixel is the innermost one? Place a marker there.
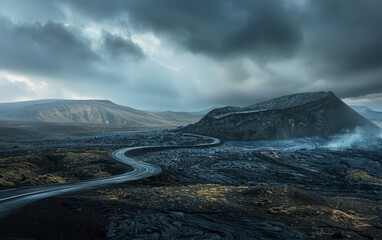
(298, 189)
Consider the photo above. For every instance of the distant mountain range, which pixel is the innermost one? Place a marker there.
(297, 115)
(372, 115)
(101, 112)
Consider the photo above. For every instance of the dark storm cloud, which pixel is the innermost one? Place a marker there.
(346, 35)
(118, 46)
(50, 48)
(260, 29)
(344, 44)
(219, 28)
(242, 51)
(337, 40)
(343, 36)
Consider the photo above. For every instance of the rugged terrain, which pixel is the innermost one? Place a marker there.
(321, 186)
(53, 166)
(308, 188)
(62, 159)
(297, 115)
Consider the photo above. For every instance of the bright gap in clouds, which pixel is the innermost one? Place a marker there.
(374, 101)
(32, 89)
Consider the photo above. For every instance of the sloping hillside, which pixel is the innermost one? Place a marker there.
(372, 115)
(90, 111)
(297, 115)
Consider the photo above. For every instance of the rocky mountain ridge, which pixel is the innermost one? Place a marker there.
(297, 115)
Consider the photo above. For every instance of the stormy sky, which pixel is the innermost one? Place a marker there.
(190, 55)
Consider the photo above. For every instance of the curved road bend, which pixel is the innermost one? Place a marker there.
(11, 199)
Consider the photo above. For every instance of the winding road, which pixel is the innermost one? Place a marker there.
(12, 199)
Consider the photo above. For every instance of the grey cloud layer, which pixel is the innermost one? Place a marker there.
(56, 50)
(41, 48)
(118, 46)
(345, 44)
(339, 40)
(337, 44)
(346, 35)
(219, 28)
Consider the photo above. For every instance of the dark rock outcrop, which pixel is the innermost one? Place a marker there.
(179, 225)
(297, 115)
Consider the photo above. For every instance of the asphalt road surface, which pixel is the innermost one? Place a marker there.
(12, 199)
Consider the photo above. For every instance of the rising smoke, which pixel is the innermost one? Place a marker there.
(359, 138)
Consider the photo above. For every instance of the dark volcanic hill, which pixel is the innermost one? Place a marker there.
(90, 111)
(297, 115)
